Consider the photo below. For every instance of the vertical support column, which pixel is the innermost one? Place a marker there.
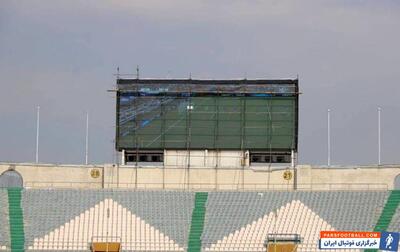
(123, 160)
(205, 162)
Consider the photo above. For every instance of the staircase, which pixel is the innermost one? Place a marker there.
(196, 227)
(387, 213)
(16, 220)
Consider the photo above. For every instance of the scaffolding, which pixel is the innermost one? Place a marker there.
(256, 118)
(259, 115)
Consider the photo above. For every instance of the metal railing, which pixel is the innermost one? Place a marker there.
(212, 186)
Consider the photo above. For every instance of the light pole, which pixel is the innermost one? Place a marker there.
(37, 133)
(329, 137)
(379, 135)
(87, 139)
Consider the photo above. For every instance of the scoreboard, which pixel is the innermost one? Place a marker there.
(255, 115)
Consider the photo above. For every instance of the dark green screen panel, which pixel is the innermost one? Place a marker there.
(218, 122)
(251, 121)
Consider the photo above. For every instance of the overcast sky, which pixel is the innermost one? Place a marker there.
(62, 55)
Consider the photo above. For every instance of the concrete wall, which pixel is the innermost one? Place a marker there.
(204, 178)
(369, 175)
(205, 158)
(56, 175)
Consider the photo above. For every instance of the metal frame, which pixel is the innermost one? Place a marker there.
(131, 85)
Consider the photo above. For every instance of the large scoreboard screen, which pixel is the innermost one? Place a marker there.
(157, 114)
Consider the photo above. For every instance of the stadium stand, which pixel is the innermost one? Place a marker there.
(71, 220)
(395, 224)
(240, 221)
(4, 227)
(390, 218)
(142, 220)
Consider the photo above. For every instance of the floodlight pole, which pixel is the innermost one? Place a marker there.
(379, 135)
(87, 140)
(37, 133)
(329, 137)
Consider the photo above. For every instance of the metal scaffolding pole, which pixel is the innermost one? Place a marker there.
(189, 109)
(162, 132)
(242, 136)
(216, 150)
(136, 139)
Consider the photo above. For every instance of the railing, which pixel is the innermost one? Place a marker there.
(212, 186)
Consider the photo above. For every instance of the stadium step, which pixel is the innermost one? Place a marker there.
(16, 220)
(387, 214)
(197, 223)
